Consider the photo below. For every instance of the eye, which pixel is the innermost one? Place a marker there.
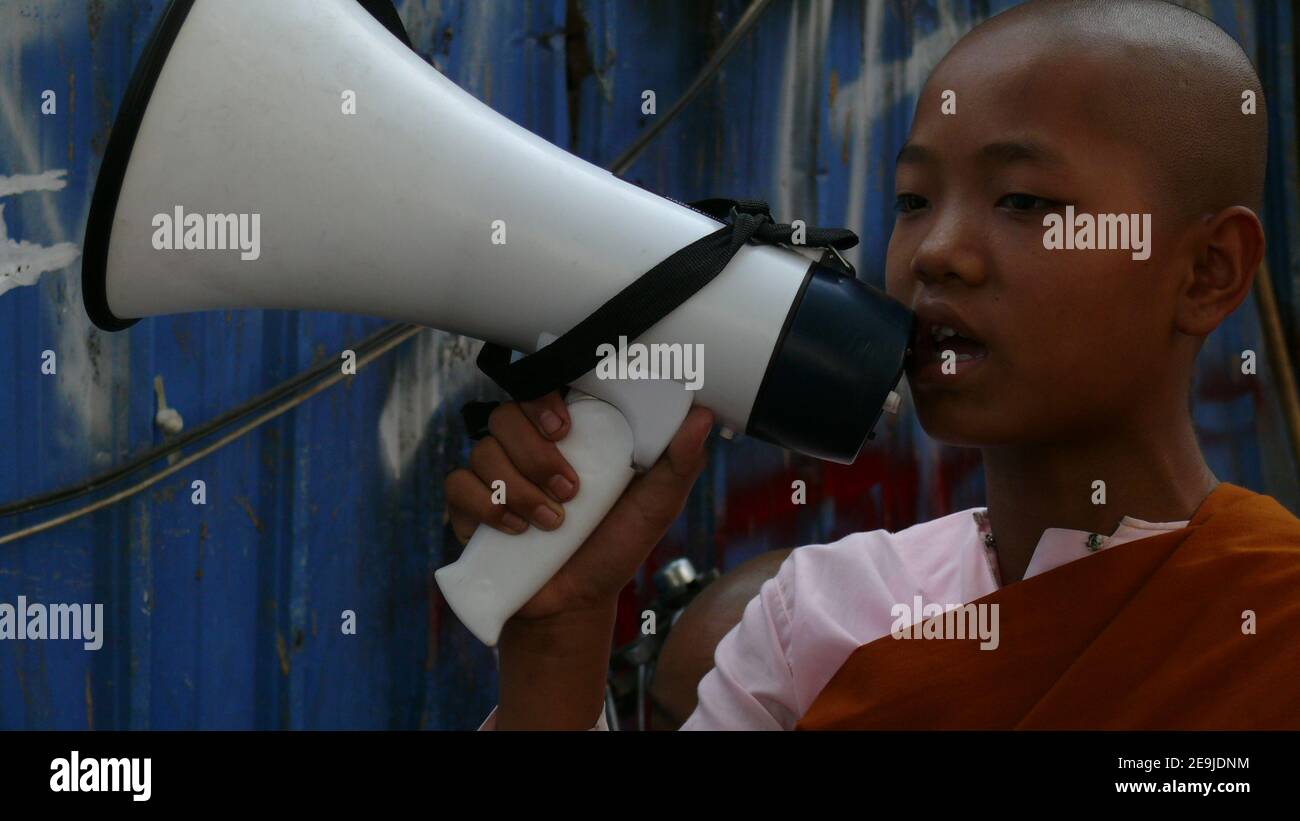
(907, 203)
(1027, 202)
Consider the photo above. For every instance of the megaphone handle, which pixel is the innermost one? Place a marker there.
(498, 573)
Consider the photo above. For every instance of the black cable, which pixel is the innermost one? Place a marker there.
(226, 419)
(719, 56)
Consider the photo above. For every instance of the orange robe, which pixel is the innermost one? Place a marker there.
(1150, 635)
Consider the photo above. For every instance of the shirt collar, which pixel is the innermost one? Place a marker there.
(1058, 545)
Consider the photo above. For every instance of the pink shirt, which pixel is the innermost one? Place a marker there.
(827, 600)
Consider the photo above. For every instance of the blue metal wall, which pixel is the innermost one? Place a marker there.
(228, 615)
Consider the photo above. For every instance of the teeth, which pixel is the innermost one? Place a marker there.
(941, 332)
(940, 355)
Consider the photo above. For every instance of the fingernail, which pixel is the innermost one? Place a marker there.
(550, 423)
(561, 488)
(513, 522)
(543, 516)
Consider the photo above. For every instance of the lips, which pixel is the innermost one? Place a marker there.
(938, 330)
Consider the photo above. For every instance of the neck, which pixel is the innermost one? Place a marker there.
(1157, 474)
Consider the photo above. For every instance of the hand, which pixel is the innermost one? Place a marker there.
(520, 452)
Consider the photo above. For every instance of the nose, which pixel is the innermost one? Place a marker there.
(952, 249)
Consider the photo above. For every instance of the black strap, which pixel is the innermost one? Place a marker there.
(475, 415)
(776, 233)
(654, 295)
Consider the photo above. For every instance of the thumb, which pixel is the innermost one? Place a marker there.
(659, 494)
(645, 511)
(686, 453)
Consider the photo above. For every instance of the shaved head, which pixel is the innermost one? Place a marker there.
(1066, 112)
(1172, 82)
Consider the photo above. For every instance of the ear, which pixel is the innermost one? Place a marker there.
(1230, 247)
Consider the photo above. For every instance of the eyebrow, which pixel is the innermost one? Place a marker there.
(1013, 151)
(914, 154)
(1002, 153)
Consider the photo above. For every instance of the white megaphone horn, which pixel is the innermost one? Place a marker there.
(298, 154)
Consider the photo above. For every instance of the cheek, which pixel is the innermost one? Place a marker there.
(898, 286)
(1083, 328)
(898, 282)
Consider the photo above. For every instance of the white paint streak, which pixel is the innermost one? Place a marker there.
(84, 386)
(45, 181)
(798, 112)
(22, 263)
(20, 120)
(867, 96)
(439, 368)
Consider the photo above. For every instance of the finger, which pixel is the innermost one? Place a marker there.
(462, 525)
(469, 503)
(656, 497)
(549, 415)
(490, 463)
(538, 459)
(686, 453)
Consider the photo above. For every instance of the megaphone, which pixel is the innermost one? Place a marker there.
(299, 155)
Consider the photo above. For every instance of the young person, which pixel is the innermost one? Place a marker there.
(1172, 605)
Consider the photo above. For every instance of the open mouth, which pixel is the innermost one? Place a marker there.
(943, 348)
(944, 338)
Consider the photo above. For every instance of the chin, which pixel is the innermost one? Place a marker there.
(955, 421)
